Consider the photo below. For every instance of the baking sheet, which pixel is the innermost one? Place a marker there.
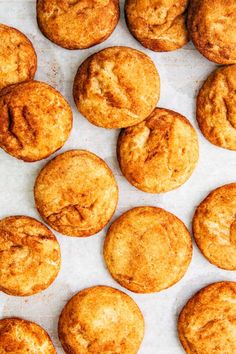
(182, 73)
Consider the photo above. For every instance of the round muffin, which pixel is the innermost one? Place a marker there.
(160, 153)
(147, 249)
(36, 120)
(30, 257)
(76, 193)
(117, 87)
(216, 107)
(207, 322)
(18, 60)
(18, 336)
(77, 24)
(214, 227)
(212, 28)
(101, 320)
(158, 25)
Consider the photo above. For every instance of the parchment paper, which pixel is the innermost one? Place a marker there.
(182, 73)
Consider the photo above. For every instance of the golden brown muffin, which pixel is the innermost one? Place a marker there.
(18, 60)
(77, 24)
(30, 256)
(216, 107)
(158, 25)
(35, 120)
(212, 28)
(214, 227)
(101, 320)
(147, 249)
(117, 87)
(207, 322)
(18, 336)
(76, 193)
(160, 153)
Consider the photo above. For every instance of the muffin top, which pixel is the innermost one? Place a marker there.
(77, 24)
(141, 247)
(160, 153)
(116, 87)
(76, 193)
(35, 119)
(30, 256)
(18, 336)
(212, 28)
(101, 320)
(214, 227)
(158, 25)
(207, 322)
(18, 60)
(216, 107)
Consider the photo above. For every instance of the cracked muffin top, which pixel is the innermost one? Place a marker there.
(35, 120)
(216, 107)
(117, 87)
(214, 227)
(18, 60)
(101, 320)
(207, 322)
(76, 193)
(77, 24)
(29, 256)
(212, 28)
(160, 153)
(18, 336)
(147, 249)
(158, 24)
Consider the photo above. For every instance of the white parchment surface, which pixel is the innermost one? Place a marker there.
(182, 73)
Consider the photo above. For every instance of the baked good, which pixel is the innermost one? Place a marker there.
(216, 107)
(212, 28)
(158, 25)
(207, 322)
(147, 249)
(101, 320)
(76, 193)
(18, 336)
(214, 227)
(18, 59)
(160, 153)
(30, 256)
(77, 24)
(116, 87)
(36, 120)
